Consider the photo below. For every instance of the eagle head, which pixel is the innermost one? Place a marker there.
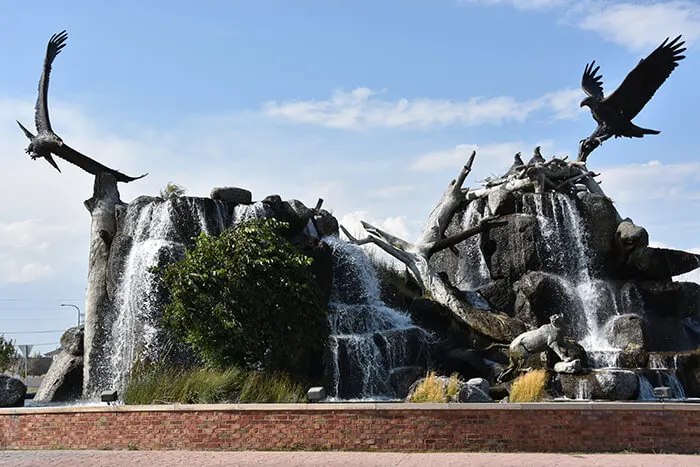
(589, 101)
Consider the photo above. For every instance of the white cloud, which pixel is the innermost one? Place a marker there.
(652, 181)
(641, 26)
(361, 108)
(636, 25)
(491, 159)
(17, 271)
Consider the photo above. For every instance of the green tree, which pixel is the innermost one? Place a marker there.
(247, 298)
(8, 354)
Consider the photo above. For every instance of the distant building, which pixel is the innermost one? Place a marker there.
(54, 353)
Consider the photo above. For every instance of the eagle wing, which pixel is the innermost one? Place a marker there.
(642, 82)
(88, 164)
(41, 114)
(592, 84)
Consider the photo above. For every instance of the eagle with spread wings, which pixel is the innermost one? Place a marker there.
(46, 142)
(614, 113)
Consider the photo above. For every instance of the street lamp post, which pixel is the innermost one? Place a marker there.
(74, 306)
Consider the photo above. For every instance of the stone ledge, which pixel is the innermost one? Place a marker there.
(361, 406)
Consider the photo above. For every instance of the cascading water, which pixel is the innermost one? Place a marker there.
(567, 255)
(159, 232)
(368, 338)
(646, 390)
(150, 230)
(472, 271)
(667, 373)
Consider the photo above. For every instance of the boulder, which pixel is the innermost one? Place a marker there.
(72, 340)
(326, 224)
(634, 356)
(600, 218)
(510, 248)
(501, 202)
(571, 367)
(467, 362)
(659, 263)
(630, 237)
(439, 319)
(12, 392)
(403, 377)
(540, 295)
(625, 330)
(680, 299)
(500, 296)
(481, 383)
(607, 384)
(575, 351)
(448, 261)
(465, 392)
(232, 195)
(688, 372)
(64, 380)
(473, 393)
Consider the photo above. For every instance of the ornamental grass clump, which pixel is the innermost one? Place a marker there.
(530, 387)
(161, 384)
(435, 389)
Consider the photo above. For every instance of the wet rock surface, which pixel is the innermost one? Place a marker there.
(12, 391)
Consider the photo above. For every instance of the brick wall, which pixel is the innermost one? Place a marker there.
(582, 427)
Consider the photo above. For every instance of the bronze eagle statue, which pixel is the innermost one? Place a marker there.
(614, 113)
(46, 142)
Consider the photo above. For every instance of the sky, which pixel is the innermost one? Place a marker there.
(372, 105)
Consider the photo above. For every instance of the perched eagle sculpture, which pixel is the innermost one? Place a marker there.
(614, 113)
(537, 157)
(46, 142)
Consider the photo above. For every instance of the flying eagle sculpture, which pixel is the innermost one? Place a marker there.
(614, 113)
(46, 142)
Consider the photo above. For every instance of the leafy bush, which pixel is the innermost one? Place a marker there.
(247, 298)
(172, 190)
(8, 354)
(530, 387)
(434, 389)
(168, 385)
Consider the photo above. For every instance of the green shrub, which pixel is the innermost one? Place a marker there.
(8, 354)
(156, 384)
(247, 298)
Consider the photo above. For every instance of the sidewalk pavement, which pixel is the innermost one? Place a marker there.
(302, 458)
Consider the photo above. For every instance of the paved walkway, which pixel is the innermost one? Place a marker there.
(284, 459)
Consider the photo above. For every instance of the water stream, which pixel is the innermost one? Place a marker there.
(369, 339)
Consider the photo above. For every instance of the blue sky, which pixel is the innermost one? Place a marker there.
(372, 105)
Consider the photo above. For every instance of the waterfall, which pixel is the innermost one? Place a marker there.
(667, 376)
(368, 338)
(646, 390)
(583, 389)
(567, 255)
(472, 271)
(155, 232)
(149, 227)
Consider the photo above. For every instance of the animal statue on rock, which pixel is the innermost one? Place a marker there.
(46, 142)
(537, 157)
(614, 113)
(546, 337)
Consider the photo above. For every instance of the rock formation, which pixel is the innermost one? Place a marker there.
(125, 299)
(64, 380)
(544, 239)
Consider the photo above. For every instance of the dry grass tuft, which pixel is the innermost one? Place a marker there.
(434, 389)
(529, 387)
